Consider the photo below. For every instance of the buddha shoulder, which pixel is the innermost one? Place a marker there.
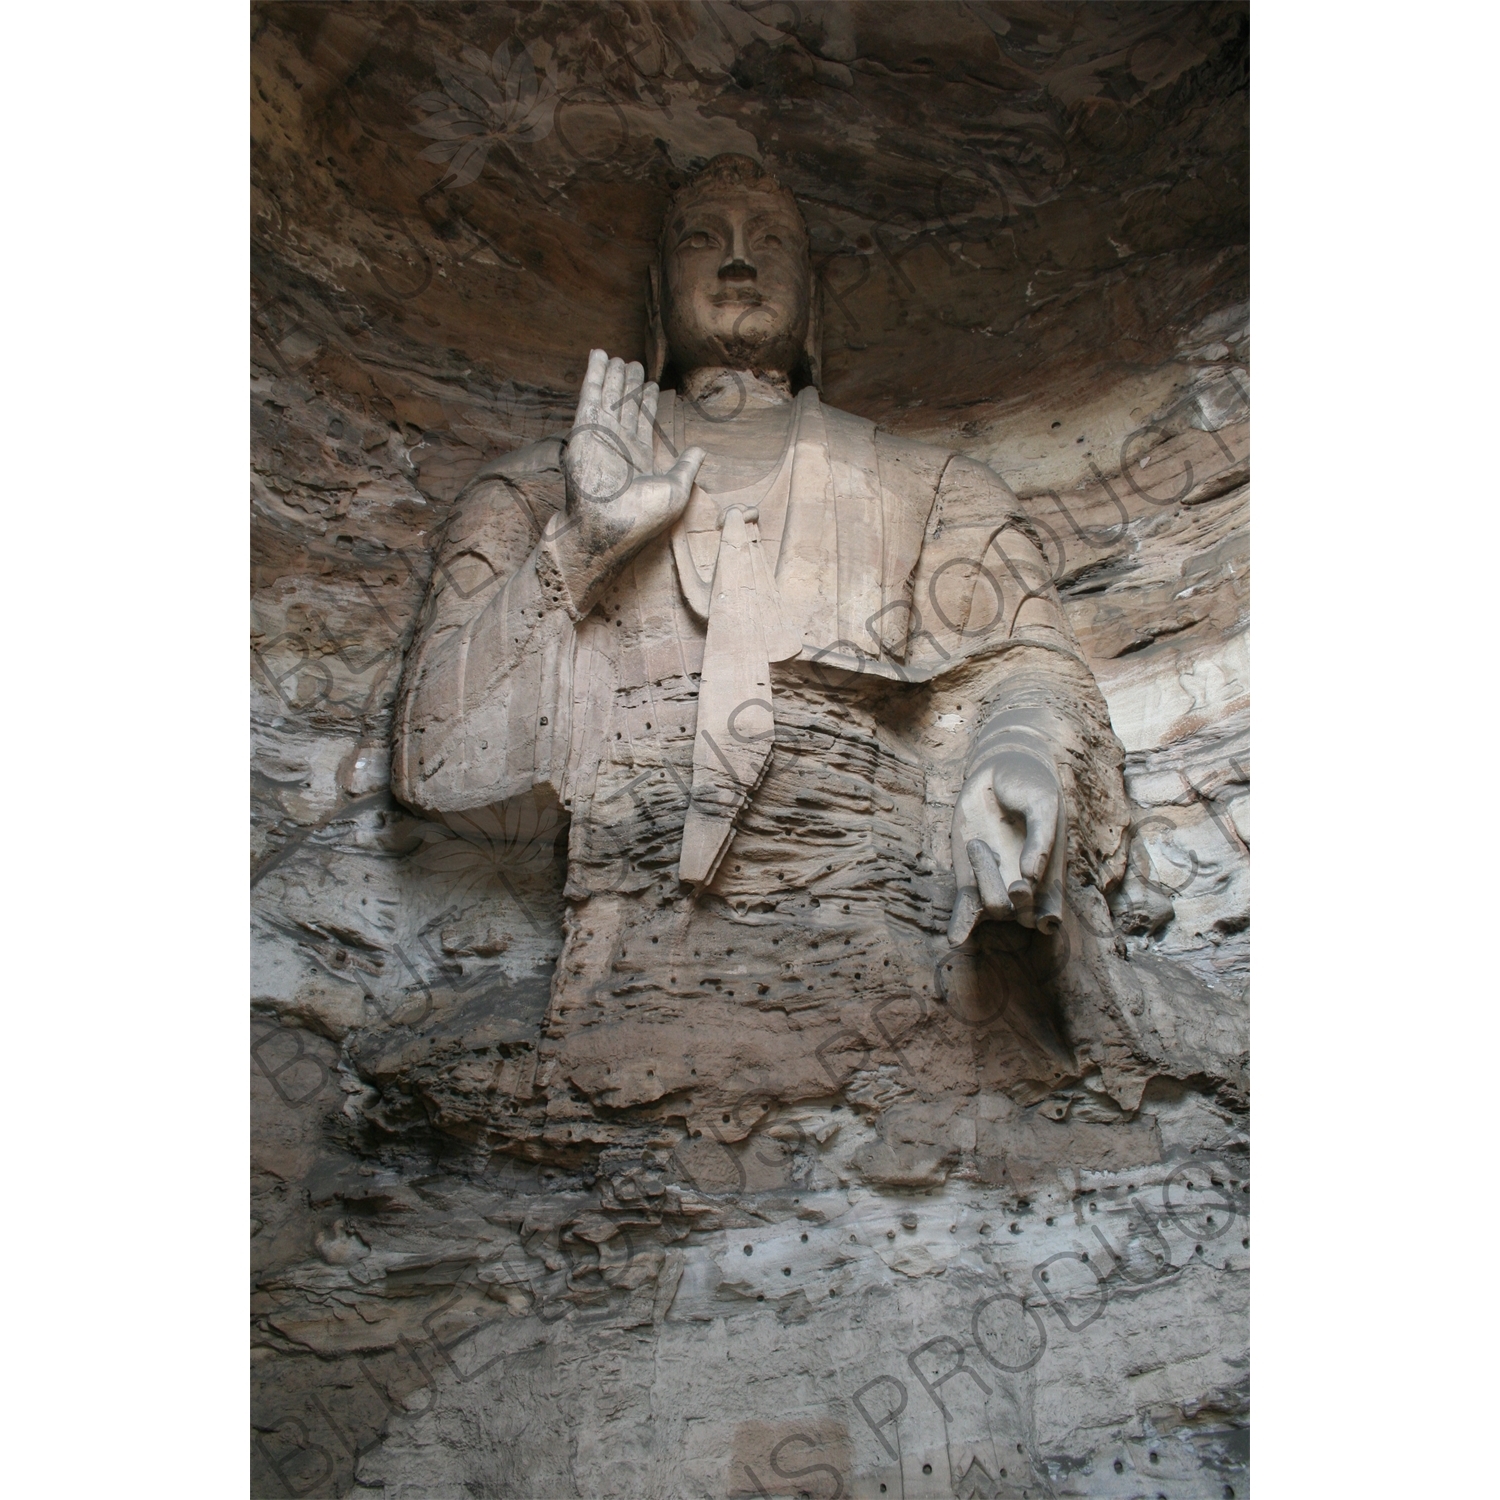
(917, 469)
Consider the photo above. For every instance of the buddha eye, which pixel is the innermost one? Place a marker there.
(699, 239)
(773, 240)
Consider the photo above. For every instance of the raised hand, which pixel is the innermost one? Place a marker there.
(616, 495)
(1010, 837)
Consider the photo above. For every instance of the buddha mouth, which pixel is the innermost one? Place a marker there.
(739, 294)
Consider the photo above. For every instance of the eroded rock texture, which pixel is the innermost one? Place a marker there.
(865, 1271)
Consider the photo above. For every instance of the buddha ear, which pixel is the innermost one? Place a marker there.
(656, 335)
(812, 345)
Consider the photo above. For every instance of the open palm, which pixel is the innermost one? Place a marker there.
(609, 461)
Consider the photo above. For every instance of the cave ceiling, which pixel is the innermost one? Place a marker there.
(452, 203)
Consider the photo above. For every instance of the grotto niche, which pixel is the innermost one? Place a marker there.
(750, 672)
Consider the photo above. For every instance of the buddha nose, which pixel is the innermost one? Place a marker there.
(737, 265)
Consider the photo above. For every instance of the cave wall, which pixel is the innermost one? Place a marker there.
(1030, 229)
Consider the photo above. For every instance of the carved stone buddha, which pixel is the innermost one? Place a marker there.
(844, 796)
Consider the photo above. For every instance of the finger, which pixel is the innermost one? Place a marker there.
(593, 386)
(614, 389)
(1049, 901)
(682, 474)
(991, 882)
(630, 410)
(1041, 832)
(1022, 900)
(967, 909)
(650, 394)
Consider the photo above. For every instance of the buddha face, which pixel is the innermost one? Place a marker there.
(736, 282)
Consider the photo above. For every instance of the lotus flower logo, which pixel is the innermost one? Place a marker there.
(490, 844)
(485, 100)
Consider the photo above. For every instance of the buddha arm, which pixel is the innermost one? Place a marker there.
(987, 618)
(485, 704)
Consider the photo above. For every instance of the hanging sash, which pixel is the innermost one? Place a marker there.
(826, 568)
(742, 608)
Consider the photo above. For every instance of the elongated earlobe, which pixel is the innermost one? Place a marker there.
(656, 336)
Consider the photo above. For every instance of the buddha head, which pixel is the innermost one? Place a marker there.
(733, 285)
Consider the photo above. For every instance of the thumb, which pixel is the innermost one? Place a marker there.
(682, 474)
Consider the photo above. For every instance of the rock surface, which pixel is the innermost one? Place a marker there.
(1029, 223)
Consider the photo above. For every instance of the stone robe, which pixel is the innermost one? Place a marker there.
(905, 607)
